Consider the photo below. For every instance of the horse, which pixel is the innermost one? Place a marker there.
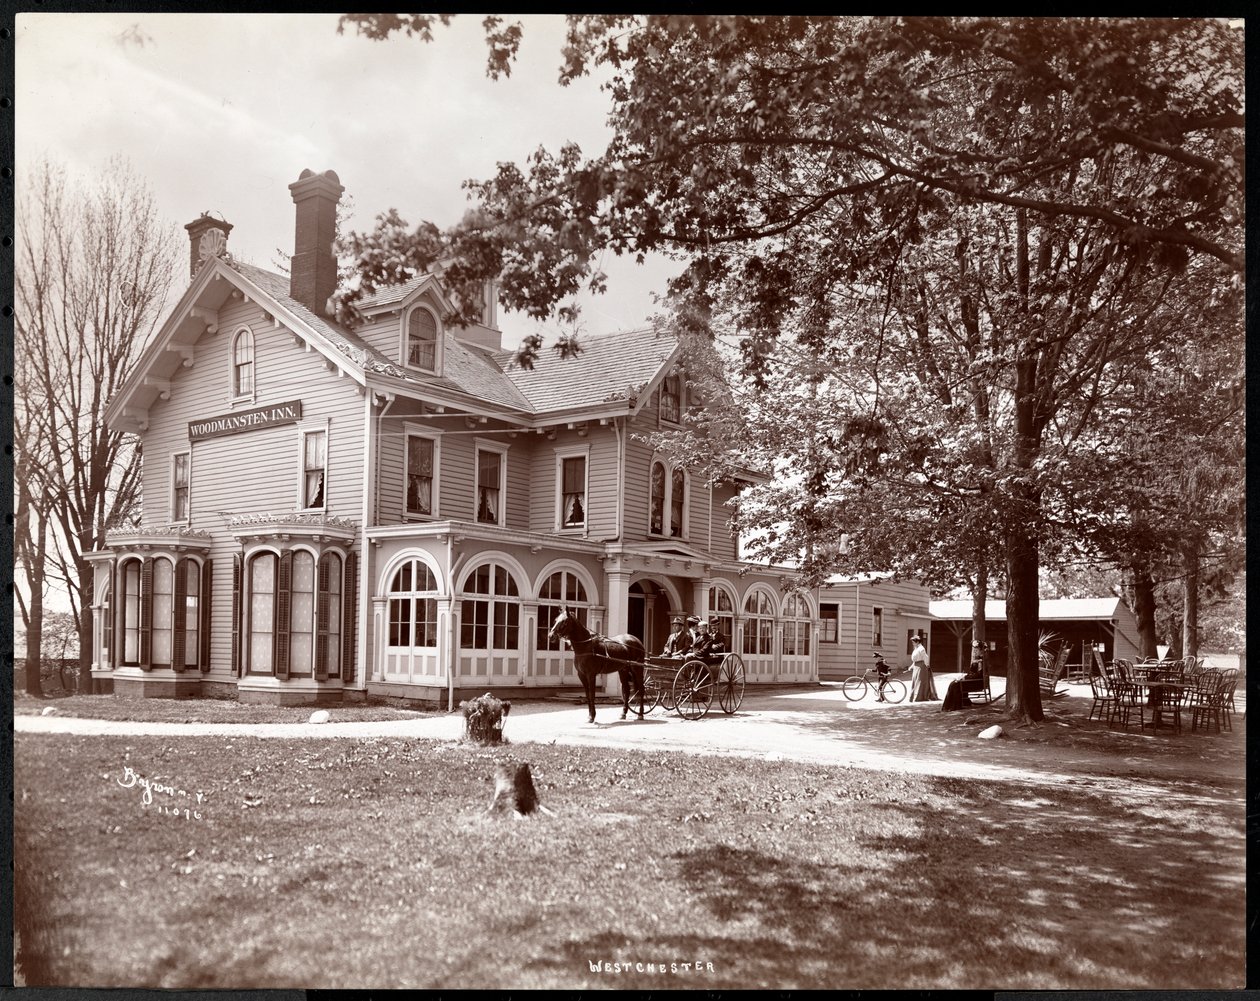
(596, 655)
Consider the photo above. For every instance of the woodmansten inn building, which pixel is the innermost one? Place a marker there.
(398, 510)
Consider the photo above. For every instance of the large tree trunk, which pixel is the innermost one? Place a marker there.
(87, 592)
(1023, 603)
(979, 596)
(1190, 601)
(1144, 610)
(1023, 689)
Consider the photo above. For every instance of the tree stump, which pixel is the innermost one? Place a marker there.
(483, 719)
(514, 790)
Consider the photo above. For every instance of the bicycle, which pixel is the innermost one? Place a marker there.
(856, 687)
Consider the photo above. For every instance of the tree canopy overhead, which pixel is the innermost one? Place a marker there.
(957, 237)
(732, 133)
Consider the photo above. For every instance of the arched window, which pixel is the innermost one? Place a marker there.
(413, 606)
(657, 526)
(668, 496)
(191, 622)
(302, 613)
(163, 604)
(260, 629)
(106, 634)
(131, 612)
(562, 588)
(677, 500)
(422, 339)
(759, 623)
(796, 623)
(243, 364)
(722, 615)
(328, 616)
(491, 621)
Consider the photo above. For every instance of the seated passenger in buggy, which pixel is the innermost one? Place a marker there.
(679, 642)
(708, 645)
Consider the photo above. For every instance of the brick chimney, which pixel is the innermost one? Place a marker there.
(198, 228)
(313, 267)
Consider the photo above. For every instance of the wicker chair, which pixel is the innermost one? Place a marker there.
(1105, 697)
(1130, 700)
(1229, 682)
(1207, 700)
(1169, 703)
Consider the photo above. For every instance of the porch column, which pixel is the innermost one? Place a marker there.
(617, 589)
(700, 597)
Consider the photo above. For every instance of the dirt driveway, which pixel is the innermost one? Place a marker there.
(817, 723)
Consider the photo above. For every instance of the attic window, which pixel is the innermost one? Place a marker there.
(671, 399)
(422, 340)
(243, 363)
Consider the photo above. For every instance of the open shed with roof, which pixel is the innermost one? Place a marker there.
(1084, 624)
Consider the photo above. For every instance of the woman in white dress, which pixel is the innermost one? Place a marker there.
(921, 688)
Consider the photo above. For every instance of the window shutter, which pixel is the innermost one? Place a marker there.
(237, 567)
(280, 630)
(146, 614)
(321, 619)
(179, 613)
(203, 654)
(349, 602)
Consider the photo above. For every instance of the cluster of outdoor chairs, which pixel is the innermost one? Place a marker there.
(1125, 691)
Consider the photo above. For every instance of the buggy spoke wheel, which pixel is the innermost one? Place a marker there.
(693, 690)
(731, 683)
(895, 691)
(854, 688)
(651, 693)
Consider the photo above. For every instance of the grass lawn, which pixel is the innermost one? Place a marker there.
(370, 863)
(200, 710)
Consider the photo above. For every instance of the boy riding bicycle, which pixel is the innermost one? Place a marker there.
(884, 670)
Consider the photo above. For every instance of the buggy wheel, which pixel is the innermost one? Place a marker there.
(693, 690)
(731, 683)
(895, 691)
(651, 692)
(854, 688)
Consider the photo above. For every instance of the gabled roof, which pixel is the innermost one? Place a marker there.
(1049, 608)
(395, 295)
(609, 368)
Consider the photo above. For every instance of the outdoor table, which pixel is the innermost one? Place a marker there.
(1155, 689)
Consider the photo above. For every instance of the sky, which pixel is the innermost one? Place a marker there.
(221, 112)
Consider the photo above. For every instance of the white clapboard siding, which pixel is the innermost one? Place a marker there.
(601, 499)
(242, 473)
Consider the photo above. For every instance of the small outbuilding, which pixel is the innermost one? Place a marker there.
(1084, 624)
(867, 614)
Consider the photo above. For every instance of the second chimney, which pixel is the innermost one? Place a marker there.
(313, 267)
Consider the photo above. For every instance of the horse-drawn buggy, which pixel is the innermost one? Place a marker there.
(687, 685)
(690, 685)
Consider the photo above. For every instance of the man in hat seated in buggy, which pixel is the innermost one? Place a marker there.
(707, 646)
(680, 640)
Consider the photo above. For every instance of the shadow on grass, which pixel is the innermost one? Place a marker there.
(368, 863)
(1077, 895)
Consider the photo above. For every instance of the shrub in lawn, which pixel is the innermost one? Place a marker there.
(483, 719)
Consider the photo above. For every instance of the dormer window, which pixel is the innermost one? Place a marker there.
(243, 363)
(422, 340)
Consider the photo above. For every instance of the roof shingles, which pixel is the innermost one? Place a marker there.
(609, 367)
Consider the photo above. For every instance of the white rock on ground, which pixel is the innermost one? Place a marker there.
(319, 716)
(989, 733)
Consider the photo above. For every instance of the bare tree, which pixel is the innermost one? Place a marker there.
(94, 266)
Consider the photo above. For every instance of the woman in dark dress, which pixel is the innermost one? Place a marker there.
(956, 694)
